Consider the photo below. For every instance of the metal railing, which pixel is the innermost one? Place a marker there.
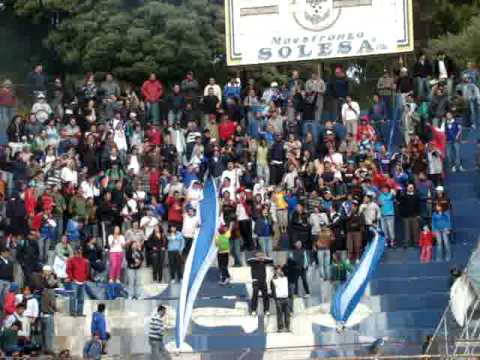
(451, 339)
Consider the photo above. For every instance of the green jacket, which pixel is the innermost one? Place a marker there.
(60, 204)
(78, 207)
(223, 242)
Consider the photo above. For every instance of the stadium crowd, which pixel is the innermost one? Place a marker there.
(102, 180)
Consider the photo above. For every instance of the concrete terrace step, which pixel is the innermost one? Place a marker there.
(408, 286)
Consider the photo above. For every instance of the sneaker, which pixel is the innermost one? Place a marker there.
(461, 168)
(306, 296)
(253, 313)
(227, 281)
(172, 281)
(221, 282)
(454, 169)
(267, 313)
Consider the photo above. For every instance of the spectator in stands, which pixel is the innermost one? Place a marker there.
(37, 79)
(156, 333)
(156, 246)
(223, 252)
(134, 257)
(409, 211)
(152, 91)
(77, 276)
(259, 281)
(98, 326)
(453, 131)
(298, 267)
(441, 227)
(426, 244)
(350, 116)
(386, 201)
(176, 244)
(6, 273)
(422, 71)
(116, 244)
(282, 297)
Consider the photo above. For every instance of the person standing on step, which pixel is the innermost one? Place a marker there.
(77, 275)
(282, 297)
(299, 266)
(441, 227)
(409, 211)
(156, 333)
(116, 243)
(453, 131)
(99, 326)
(258, 266)
(155, 248)
(223, 253)
(134, 256)
(176, 244)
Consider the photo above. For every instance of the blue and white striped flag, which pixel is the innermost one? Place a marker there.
(201, 256)
(348, 296)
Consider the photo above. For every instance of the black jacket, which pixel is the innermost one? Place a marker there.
(134, 258)
(6, 269)
(258, 268)
(422, 70)
(408, 205)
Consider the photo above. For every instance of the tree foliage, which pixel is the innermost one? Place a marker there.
(132, 38)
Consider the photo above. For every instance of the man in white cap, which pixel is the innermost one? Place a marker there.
(271, 94)
(41, 109)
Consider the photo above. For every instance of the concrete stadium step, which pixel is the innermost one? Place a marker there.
(396, 270)
(406, 302)
(408, 286)
(460, 253)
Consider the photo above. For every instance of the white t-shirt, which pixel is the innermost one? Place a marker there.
(116, 245)
(348, 114)
(190, 225)
(148, 223)
(442, 69)
(68, 175)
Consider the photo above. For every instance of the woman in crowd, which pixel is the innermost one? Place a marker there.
(116, 244)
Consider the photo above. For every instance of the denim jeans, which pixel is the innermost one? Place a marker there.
(443, 242)
(473, 110)
(453, 154)
(77, 299)
(48, 331)
(236, 252)
(4, 286)
(158, 350)
(388, 227)
(265, 243)
(323, 256)
(132, 275)
(423, 88)
(59, 228)
(264, 172)
(6, 115)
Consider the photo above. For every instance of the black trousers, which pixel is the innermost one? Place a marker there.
(276, 173)
(222, 259)
(283, 313)
(175, 264)
(302, 273)
(188, 246)
(260, 286)
(157, 259)
(245, 227)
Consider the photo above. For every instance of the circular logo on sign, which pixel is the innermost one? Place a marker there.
(315, 15)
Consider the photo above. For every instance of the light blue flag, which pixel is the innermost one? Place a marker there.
(201, 256)
(348, 296)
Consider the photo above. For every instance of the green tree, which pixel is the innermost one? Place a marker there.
(132, 38)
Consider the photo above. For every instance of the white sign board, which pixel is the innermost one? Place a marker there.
(276, 31)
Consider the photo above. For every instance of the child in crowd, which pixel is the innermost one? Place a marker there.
(426, 243)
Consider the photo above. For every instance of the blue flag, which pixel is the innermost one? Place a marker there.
(201, 256)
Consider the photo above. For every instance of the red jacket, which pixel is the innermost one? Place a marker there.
(152, 90)
(6, 97)
(9, 303)
(226, 129)
(174, 210)
(155, 137)
(30, 201)
(47, 203)
(36, 223)
(426, 238)
(78, 269)
(154, 181)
